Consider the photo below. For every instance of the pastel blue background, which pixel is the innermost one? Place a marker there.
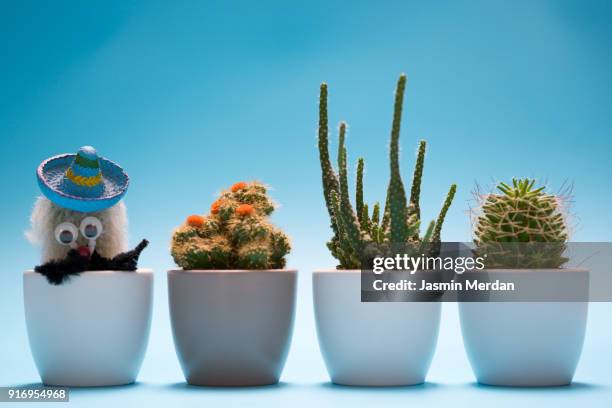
(192, 96)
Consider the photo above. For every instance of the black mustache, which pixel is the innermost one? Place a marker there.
(60, 271)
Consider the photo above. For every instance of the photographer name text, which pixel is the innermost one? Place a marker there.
(427, 286)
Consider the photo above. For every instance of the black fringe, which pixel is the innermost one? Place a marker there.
(60, 271)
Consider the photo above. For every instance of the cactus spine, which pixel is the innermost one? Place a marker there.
(234, 235)
(523, 227)
(355, 230)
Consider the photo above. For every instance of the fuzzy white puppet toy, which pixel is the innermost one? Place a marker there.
(80, 223)
(53, 226)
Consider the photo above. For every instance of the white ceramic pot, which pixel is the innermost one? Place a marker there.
(92, 330)
(232, 328)
(524, 344)
(372, 344)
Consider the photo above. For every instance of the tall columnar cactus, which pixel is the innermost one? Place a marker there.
(234, 235)
(523, 227)
(358, 232)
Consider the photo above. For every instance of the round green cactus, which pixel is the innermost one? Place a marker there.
(523, 227)
(234, 235)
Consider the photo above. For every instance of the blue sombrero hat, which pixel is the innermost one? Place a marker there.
(82, 182)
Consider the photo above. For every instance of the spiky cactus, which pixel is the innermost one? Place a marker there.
(234, 235)
(523, 227)
(358, 234)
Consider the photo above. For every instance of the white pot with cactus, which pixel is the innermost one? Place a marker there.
(87, 305)
(232, 305)
(522, 230)
(372, 343)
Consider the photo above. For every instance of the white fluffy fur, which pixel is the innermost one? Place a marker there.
(46, 216)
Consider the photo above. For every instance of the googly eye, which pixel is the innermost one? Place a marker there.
(66, 233)
(91, 228)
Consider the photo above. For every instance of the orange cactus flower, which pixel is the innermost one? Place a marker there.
(245, 209)
(195, 220)
(238, 186)
(214, 208)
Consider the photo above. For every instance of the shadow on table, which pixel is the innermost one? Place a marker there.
(426, 386)
(183, 386)
(575, 387)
